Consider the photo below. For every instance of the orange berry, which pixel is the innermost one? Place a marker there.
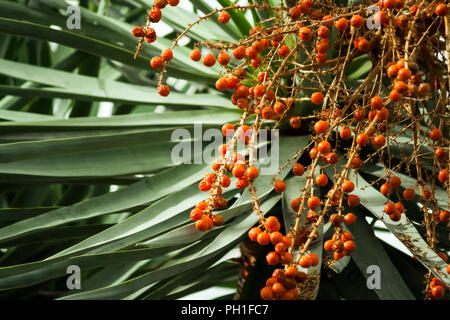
(324, 147)
(156, 62)
(350, 218)
(313, 202)
(348, 186)
(408, 194)
(209, 60)
(341, 24)
(253, 233)
(276, 237)
(224, 17)
(321, 126)
(298, 169)
(362, 139)
(217, 220)
(392, 70)
(314, 259)
(291, 271)
(155, 14)
(317, 98)
(353, 200)
(328, 245)
(266, 293)
(349, 246)
(273, 258)
(239, 53)
(437, 292)
(356, 163)
(278, 288)
(305, 34)
(378, 141)
(295, 122)
(163, 90)
(395, 96)
(404, 74)
(252, 172)
(435, 134)
(443, 176)
(167, 55)
(395, 182)
(263, 238)
(223, 58)
(345, 133)
(322, 180)
(238, 171)
(356, 21)
(279, 186)
(441, 10)
(305, 262)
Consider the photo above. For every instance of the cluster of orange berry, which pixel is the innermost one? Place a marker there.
(283, 284)
(340, 244)
(154, 16)
(437, 287)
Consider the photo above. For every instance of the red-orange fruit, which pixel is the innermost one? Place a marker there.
(279, 186)
(305, 261)
(283, 51)
(204, 224)
(350, 218)
(313, 153)
(167, 55)
(363, 44)
(378, 141)
(317, 98)
(356, 21)
(395, 182)
(266, 293)
(295, 122)
(408, 194)
(217, 220)
(276, 237)
(440, 153)
(441, 10)
(443, 176)
(263, 238)
(359, 115)
(314, 259)
(285, 258)
(156, 62)
(362, 139)
(228, 129)
(356, 163)
(321, 126)
(423, 89)
(155, 14)
(278, 288)
(224, 17)
(253, 233)
(349, 246)
(435, 134)
(437, 292)
(345, 133)
(273, 225)
(313, 202)
(273, 258)
(252, 172)
(324, 147)
(332, 158)
(239, 53)
(404, 74)
(305, 34)
(328, 245)
(209, 60)
(298, 169)
(341, 24)
(196, 55)
(392, 70)
(223, 58)
(400, 207)
(196, 214)
(323, 32)
(279, 107)
(348, 186)
(395, 96)
(238, 171)
(322, 180)
(376, 103)
(163, 90)
(385, 189)
(353, 200)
